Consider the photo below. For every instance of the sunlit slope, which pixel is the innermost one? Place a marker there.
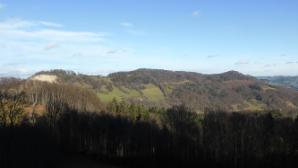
(228, 91)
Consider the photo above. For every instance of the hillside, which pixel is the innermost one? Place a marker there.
(286, 81)
(231, 90)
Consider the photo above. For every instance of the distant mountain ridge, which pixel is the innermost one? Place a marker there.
(155, 87)
(286, 81)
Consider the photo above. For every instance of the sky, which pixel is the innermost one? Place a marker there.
(255, 37)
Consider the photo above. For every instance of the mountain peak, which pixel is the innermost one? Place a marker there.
(232, 72)
(234, 75)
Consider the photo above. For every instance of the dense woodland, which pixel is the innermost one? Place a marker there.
(133, 135)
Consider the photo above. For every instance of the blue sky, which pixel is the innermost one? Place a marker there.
(256, 37)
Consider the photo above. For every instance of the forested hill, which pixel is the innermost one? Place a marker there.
(230, 91)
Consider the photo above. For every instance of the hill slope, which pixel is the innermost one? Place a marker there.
(229, 91)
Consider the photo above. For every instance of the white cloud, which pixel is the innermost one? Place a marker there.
(16, 29)
(242, 62)
(50, 24)
(196, 13)
(16, 71)
(15, 23)
(36, 45)
(127, 24)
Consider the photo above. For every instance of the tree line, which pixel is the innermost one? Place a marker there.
(134, 136)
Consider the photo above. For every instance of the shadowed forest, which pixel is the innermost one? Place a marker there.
(130, 135)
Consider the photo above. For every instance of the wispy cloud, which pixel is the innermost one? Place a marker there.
(14, 29)
(196, 13)
(211, 56)
(127, 24)
(51, 24)
(270, 65)
(28, 43)
(15, 23)
(292, 62)
(115, 51)
(51, 46)
(242, 62)
(136, 32)
(132, 29)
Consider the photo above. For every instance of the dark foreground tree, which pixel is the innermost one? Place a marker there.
(177, 137)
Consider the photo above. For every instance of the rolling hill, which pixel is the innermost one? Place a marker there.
(230, 91)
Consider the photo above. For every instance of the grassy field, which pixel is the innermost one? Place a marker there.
(268, 88)
(153, 93)
(119, 94)
(254, 105)
(251, 105)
